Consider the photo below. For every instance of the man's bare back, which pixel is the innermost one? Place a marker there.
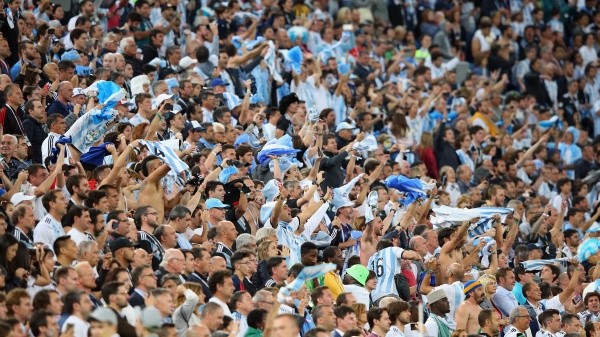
(153, 195)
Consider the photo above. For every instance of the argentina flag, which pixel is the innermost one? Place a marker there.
(537, 265)
(480, 227)
(412, 188)
(307, 273)
(167, 154)
(455, 214)
(547, 124)
(93, 125)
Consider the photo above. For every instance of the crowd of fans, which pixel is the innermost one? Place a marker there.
(299, 168)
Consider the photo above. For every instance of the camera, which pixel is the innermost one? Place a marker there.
(196, 180)
(50, 31)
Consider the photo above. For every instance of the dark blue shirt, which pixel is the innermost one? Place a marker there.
(59, 107)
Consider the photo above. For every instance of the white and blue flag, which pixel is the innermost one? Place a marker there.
(306, 274)
(536, 265)
(91, 126)
(167, 154)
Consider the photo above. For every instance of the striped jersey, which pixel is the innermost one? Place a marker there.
(23, 237)
(47, 231)
(385, 263)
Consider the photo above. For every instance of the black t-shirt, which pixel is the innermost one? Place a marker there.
(283, 124)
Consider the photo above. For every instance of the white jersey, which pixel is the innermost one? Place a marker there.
(511, 331)
(47, 231)
(385, 263)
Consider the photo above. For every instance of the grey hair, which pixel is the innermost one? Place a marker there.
(265, 232)
(412, 242)
(169, 254)
(87, 246)
(179, 212)
(261, 296)
(515, 312)
(244, 240)
(125, 41)
(156, 84)
(514, 203)
(209, 308)
(386, 301)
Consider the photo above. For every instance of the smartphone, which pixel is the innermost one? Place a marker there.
(168, 107)
(348, 27)
(50, 31)
(96, 44)
(577, 299)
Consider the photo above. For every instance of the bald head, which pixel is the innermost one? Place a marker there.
(217, 263)
(199, 330)
(457, 271)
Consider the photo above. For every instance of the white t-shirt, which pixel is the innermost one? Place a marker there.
(47, 231)
(80, 326)
(222, 304)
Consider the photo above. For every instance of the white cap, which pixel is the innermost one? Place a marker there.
(186, 62)
(344, 126)
(78, 91)
(161, 98)
(19, 197)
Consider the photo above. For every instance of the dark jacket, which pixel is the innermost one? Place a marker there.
(535, 86)
(335, 168)
(149, 53)
(444, 151)
(136, 300)
(36, 135)
(124, 329)
(136, 64)
(12, 121)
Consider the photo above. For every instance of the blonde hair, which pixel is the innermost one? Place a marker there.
(262, 250)
(485, 280)
(359, 309)
(193, 286)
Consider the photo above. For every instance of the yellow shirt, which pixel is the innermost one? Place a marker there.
(333, 282)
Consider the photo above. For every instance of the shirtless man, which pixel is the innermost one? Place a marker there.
(151, 191)
(368, 242)
(467, 314)
(451, 242)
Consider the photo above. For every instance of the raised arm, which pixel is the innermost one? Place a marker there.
(46, 184)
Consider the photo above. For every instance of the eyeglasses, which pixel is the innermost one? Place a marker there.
(269, 303)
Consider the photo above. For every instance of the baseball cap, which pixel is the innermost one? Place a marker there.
(120, 243)
(19, 197)
(151, 319)
(160, 99)
(218, 82)
(194, 126)
(215, 203)
(186, 62)
(78, 91)
(104, 315)
(344, 126)
(533, 246)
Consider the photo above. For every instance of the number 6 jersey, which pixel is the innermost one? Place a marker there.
(385, 263)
